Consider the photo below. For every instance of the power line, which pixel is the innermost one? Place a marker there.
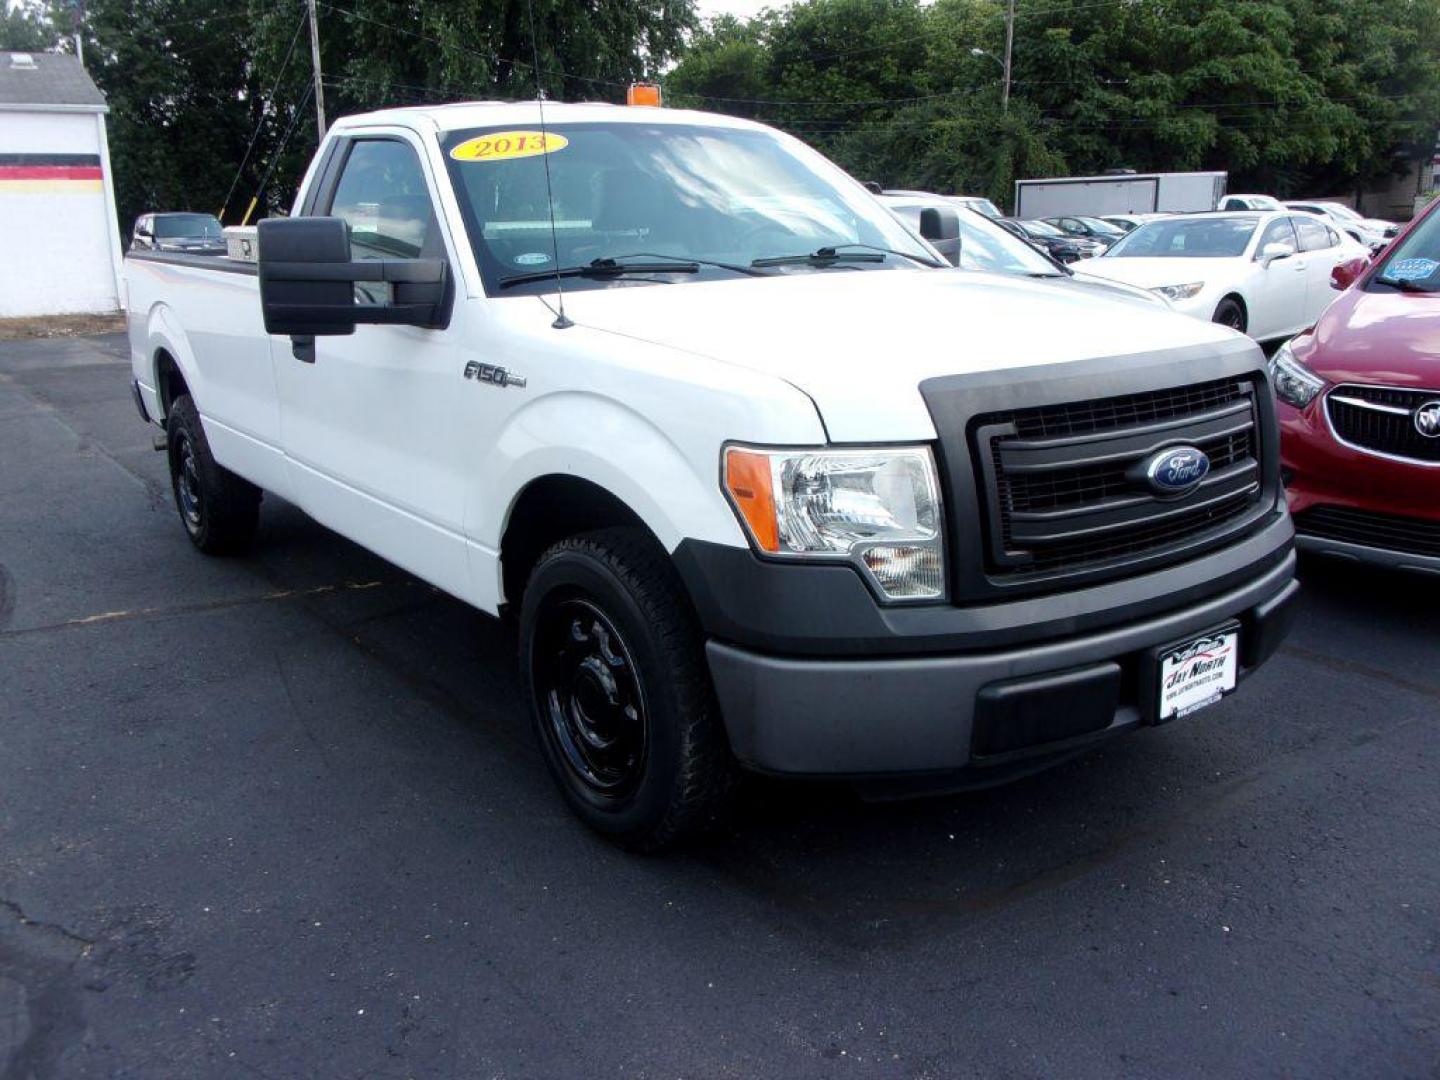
(279, 152)
(264, 105)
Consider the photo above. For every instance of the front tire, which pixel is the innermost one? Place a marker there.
(614, 669)
(1229, 313)
(220, 510)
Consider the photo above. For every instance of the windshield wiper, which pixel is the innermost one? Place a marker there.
(603, 268)
(825, 256)
(1404, 284)
(831, 254)
(734, 267)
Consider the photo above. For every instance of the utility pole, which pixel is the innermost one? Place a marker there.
(1009, 45)
(77, 25)
(315, 59)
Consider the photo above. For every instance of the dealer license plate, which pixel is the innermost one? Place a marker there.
(1198, 673)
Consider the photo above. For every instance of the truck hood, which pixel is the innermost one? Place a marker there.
(1391, 338)
(859, 343)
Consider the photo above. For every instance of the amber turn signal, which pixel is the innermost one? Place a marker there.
(747, 479)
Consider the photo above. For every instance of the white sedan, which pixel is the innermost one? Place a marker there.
(1266, 274)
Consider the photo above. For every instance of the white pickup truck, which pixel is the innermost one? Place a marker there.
(766, 486)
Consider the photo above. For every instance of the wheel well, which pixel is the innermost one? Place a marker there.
(169, 382)
(547, 511)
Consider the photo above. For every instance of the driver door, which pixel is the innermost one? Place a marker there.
(371, 426)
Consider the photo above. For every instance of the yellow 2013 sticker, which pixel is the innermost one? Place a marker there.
(504, 145)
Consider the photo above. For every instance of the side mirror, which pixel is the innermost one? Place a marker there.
(941, 226)
(1345, 274)
(307, 281)
(1275, 251)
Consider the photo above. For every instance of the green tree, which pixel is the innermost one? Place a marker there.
(27, 29)
(1288, 96)
(192, 83)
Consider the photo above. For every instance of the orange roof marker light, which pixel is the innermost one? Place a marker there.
(643, 94)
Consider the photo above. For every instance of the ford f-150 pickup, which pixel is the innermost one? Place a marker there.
(761, 482)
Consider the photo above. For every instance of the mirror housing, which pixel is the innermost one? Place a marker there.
(307, 281)
(1275, 251)
(1346, 273)
(941, 227)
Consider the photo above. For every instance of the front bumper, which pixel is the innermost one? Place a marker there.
(1322, 472)
(974, 718)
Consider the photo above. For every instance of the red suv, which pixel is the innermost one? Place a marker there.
(1359, 408)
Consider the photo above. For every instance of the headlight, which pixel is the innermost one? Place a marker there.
(878, 509)
(1294, 383)
(1179, 292)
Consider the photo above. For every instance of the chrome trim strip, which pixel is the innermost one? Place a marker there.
(1361, 403)
(1330, 424)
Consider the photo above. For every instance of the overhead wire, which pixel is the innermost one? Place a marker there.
(264, 107)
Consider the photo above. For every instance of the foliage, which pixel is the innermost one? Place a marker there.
(26, 29)
(190, 81)
(1289, 96)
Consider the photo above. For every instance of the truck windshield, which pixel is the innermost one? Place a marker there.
(714, 195)
(1187, 238)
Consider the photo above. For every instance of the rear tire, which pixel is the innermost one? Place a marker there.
(220, 510)
(1229, 313)
(614, 668)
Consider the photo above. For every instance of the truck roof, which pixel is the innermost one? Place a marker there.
(473, 114)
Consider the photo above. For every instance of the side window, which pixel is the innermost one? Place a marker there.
(1279, 231)
(1313, 235)
(382, 195)
(1334, 236)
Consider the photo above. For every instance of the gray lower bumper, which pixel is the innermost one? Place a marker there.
(1395, 560)
(869, 717)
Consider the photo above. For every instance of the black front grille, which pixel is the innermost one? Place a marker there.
(1129, 410)
(1382, 419)
(1059, 487)
(1413, 536)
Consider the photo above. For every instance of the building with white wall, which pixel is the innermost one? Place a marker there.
(59, 239)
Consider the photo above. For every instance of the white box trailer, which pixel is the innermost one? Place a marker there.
(1130, 193)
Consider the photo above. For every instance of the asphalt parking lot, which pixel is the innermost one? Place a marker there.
(282, 816)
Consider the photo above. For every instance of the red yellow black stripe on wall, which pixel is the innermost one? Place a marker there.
(49, 174)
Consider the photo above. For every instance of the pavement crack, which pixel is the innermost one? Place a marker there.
(52, 929)
(1367, 671)
(171, 610)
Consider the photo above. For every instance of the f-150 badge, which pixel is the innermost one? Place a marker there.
(489, 373)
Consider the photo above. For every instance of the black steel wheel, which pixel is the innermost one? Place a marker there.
(220, 511)
(614, 668)
(592, 696)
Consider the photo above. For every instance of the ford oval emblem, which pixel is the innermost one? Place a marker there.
(1177, 470)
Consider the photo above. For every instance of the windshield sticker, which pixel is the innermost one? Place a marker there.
(504, 145)
(1412, 269)
(532, 258)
